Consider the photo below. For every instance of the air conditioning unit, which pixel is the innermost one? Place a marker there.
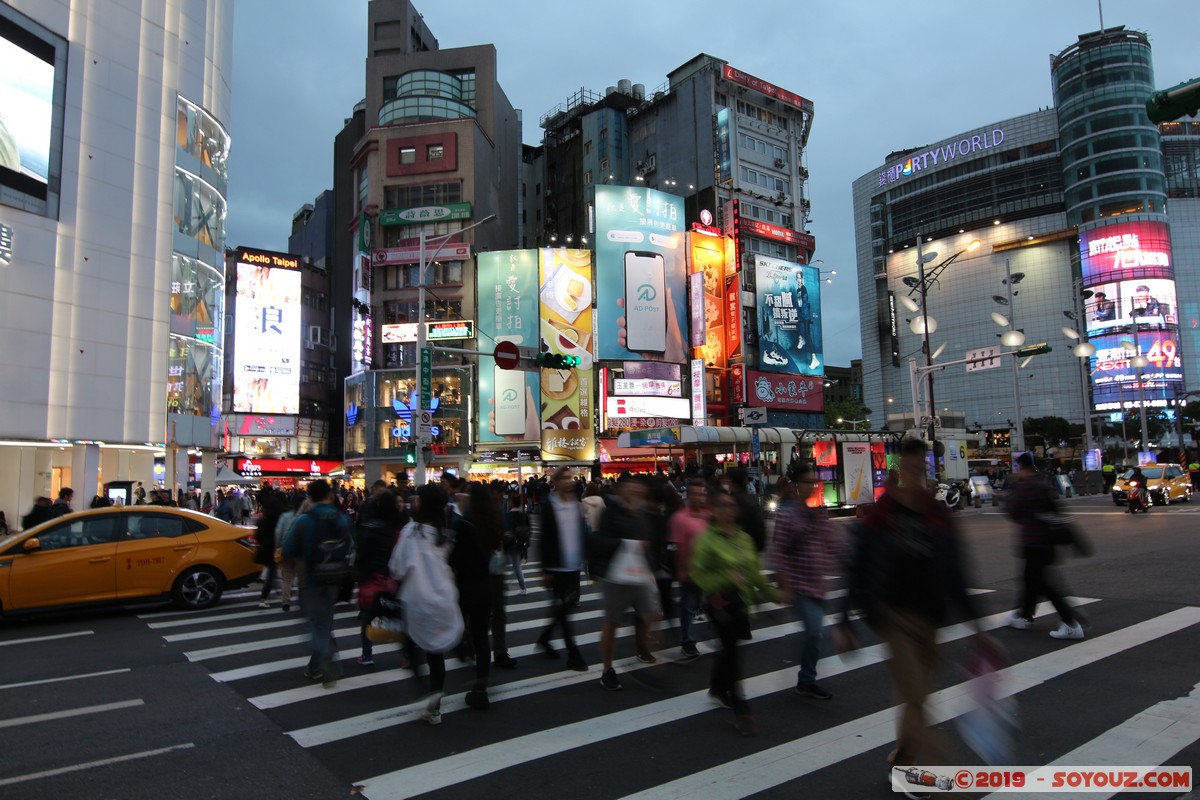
(780, 163)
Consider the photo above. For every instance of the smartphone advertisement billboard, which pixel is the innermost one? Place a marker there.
(641, 291)
(508, 312)
(566, 328)
(788, 297)
(266, 364)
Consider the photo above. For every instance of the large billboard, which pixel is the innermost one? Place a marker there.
(641, 287)
(267, 333)
(565, 317)
(709, 255)
(508, 312)
(26, 108)
(788, 298)
(1133, 309)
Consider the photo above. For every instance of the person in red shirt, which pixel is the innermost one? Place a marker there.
(685, 527)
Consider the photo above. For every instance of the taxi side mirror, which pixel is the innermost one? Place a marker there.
(31, 544)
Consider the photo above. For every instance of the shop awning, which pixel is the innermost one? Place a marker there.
(704, 434)
(227, 477)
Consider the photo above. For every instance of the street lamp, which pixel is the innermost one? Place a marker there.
(424, 389)
(1083, 351)
(1013, 337)
(925, 325)
(853, 422)
(1139, 361)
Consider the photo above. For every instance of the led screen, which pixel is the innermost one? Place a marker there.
(789, 317)
(1124, 251)
(1114, 377)
(26, 107)
(1113, 306)
(266, 377)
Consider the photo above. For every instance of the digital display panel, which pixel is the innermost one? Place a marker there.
(789, 317)
(1114, 377)
(1113, 306)
(1124, 251)
(26, 107)
(267, 330)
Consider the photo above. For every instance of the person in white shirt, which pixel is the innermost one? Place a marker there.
(562, 552)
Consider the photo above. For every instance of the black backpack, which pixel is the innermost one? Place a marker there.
(332, 561)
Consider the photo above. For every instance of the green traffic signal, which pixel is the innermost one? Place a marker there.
(1033, 350)
(1170, 104)
(410, 456)
(557, 361)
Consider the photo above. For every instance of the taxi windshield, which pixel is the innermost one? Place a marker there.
(1151, 473)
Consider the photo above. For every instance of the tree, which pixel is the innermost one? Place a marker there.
(847, 410)
(1053, 431)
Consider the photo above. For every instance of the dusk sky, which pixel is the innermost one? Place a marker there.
(883, 76)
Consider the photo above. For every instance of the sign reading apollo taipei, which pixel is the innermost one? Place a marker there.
(941, 154)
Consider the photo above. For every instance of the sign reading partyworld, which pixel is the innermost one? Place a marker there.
(939, 156)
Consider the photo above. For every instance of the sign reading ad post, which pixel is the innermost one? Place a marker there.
(566, 329)
(508, 312)
(641, 291)
(789, 317)
(266, 364)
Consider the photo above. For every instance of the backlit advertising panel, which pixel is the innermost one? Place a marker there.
(508, 312)
(708, 327)
(788, 392)
(788, 297)
(266, 364)
(1113, 306)
(566, 328)
(1124, 251)
(1114, 378)
(26, 109)
(641, 289)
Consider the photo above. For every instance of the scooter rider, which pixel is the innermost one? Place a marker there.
(1138, 491)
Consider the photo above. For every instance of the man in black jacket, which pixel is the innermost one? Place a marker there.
(562, 551)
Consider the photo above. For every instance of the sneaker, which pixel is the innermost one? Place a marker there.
(505, 661)
(699, 616)
(575, 662)
(1068, 631)
(721, 699)
(805, 689)
(689, 652)
(329, 682)
(433, 709)
(477, 698)
(609, 680)
(745, 725)
(647, 658)
(523, 591)
(313, 675)
(265, 604)
(1016, 620)
(365, 661)
(546, 649)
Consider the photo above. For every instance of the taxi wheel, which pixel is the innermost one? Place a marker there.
(197, 588)
(1166, 497)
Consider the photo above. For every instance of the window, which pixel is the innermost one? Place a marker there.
(433, 152)
(150, 526)
(587, 178)
(408, 155)
(426, 194)
(363, 185)
(81, 532)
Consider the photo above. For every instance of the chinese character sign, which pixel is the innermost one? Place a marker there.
(565, 316)
(266, 372)
(507, 311)
(789, 317)
(641, 290)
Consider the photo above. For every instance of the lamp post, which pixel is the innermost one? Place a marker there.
(1138, 361)
(923, 326)
(1083, 350)
(853, 422)
(1013, 337)
(424, 377)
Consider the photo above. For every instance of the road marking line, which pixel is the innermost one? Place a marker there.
(50, 773)
(787, 762)
(46, 638)
(70, 712)
(64, 678)
(1147, 738)
(377, 720)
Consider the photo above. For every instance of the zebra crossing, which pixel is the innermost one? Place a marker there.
(1125, 689)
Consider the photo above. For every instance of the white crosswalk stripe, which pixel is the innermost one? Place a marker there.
(260, 653)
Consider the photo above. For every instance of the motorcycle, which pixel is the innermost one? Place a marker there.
(1137, 499)
(949, 493)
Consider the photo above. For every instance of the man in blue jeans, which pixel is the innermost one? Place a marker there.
(684, 529)
(318, 599)
(803, 554)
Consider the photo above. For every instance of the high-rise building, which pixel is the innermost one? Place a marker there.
(439, 150)
(112, 209)
(1070, 207)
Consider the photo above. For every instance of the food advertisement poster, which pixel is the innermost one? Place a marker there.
(641, 291)
(789, 317)
(708, 262)
(509, 402)
(566, 328)
(266, 365)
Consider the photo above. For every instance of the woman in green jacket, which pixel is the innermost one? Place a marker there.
(725, 567)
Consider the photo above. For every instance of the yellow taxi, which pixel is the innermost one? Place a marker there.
(110, 555)
(1167, 483)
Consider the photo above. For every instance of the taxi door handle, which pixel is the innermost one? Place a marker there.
(183, 548)
(98, 560)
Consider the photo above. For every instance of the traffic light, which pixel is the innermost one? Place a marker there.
(1170, 104)
(410, 455)
(557, 361)
(1033, 350)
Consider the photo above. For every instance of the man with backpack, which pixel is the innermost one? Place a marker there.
(323, 539)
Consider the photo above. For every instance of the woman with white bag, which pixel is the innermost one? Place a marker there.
(432, 619)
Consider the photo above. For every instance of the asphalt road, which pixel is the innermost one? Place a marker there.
(151, 703)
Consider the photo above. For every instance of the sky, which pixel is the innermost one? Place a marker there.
(884, 75)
